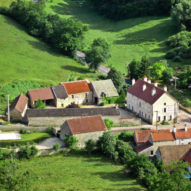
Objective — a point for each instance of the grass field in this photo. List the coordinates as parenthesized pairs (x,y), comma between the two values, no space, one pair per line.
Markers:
(35,137)
(130,39)
(24,57)
(78,172)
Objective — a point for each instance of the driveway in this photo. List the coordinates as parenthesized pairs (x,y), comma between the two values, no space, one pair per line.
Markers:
(49,143)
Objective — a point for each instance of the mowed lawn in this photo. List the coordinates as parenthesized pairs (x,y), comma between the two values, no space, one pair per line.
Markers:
(25,57)
(130,39)
(78,173)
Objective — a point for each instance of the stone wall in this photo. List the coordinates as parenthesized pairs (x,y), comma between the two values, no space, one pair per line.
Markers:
(19,127)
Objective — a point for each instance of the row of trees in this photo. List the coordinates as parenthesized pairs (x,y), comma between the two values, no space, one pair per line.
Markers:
(154,176)
(116,9)
(156,71)
(66,35)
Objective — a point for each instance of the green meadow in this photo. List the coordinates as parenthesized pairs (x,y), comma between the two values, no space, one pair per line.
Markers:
(78,172)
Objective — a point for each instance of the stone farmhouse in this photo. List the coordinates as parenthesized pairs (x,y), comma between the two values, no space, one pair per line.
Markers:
(84,128)
(149,141)
(61,96)
(56,117)
(19,107)
(151,102)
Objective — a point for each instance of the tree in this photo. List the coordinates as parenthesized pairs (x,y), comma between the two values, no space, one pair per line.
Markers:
(40,104)
(12,178)
(70,141)
(181,14)
(109,123)
(117,78)
(98,53)
(106,144)
(167,75)
(90,146)
(172,178)
(157,70)
(26,152)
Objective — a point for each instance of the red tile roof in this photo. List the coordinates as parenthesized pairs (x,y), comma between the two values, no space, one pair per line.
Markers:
(76,87)
(182,134)
(146,95)
(162,136)
(157,135)
(43,94)
(187,157)
(86,124)
(19,103)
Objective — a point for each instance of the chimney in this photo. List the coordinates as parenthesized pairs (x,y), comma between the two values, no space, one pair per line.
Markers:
(156,84)
(144,87)
(149,81)
(185,128)
(165,88)
(133,81)
(145,78)
(153,92)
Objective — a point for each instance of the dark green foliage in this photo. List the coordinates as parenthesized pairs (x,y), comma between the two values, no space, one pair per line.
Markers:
(6,154)
(98,53)
(39,104)
(90,146)
(126,136)
(26,152)
(184,78)
(23,131)
(181,14)
(70,141)
(106,144)
(179,45)
(11,177)
(167,75)
(56,147)
(128,8)
(117,78)
(109,123)
(186,102)
(63,34)
(165,123)
(173,179)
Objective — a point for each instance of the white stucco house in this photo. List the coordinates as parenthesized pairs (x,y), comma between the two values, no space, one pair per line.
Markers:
(151,102)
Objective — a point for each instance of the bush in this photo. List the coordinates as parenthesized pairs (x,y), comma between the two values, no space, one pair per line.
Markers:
(27,152)
(23,131)
(109,123)
(40,104)
(70,141)
(165,123)
(126,136)
(102,104)
(49,130)
(56,147)
(186,102)
(90,146)
(6,154)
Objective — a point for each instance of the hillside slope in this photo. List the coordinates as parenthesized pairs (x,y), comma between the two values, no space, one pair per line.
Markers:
(25,57)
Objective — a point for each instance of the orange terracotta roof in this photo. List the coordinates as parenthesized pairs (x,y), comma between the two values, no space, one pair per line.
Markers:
(76,87)
(163,136)
(43,94)
(19,103)
(86,124)
(183,134)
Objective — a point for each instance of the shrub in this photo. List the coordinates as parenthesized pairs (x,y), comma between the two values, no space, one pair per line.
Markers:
(109,123)
(73,105)
(49,130)
(23,131)
(165,123)
(186,102)
(40,104)
(125,136)
(56,147)
(90,146)
(71,141)
(27,152)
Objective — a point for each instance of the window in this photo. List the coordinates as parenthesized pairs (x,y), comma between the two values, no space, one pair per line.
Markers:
(164,118)
(165,110)
(86,100)
(139,104)
(170,118)
(165,103)
(158,118)
(151,152)
(62,105)
(86,95)
(72,96)
(145,115)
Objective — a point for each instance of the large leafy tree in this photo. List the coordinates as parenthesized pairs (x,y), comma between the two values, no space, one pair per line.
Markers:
(117,78)
(98,53)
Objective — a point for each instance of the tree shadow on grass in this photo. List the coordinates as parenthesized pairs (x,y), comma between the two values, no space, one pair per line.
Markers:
(82,10)
(44,47)
(155,34)
(76,69)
